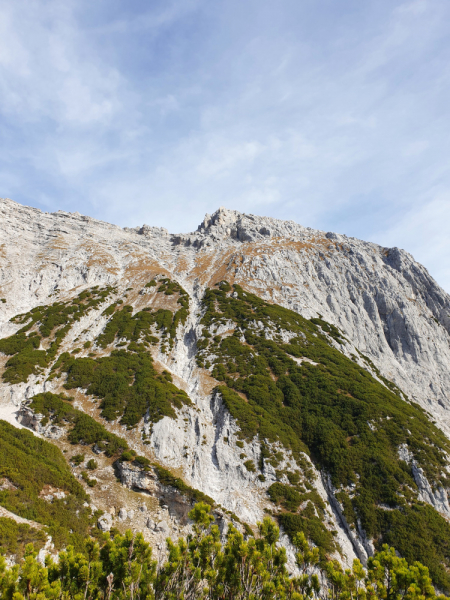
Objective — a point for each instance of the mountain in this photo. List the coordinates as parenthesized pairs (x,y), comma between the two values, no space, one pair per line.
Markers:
(256,364)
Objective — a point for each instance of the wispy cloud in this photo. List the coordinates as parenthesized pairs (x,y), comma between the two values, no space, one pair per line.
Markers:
(335,116)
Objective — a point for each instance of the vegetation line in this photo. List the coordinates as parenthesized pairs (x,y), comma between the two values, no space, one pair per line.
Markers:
(201,567)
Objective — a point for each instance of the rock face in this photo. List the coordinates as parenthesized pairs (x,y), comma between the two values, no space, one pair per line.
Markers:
(135,478)
(28,418)
(387,306)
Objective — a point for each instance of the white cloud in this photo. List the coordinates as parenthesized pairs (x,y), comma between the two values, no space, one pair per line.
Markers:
(46,72)
(221,156)
(420,230)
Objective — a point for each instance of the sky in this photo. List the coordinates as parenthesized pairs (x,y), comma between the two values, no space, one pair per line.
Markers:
(333,114)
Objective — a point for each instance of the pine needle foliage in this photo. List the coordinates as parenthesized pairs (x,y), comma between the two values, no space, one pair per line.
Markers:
(202,567)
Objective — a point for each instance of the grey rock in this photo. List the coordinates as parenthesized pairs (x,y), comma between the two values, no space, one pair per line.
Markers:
(135,477)
(28,418)
(105,522)
(162,528)
(123,515)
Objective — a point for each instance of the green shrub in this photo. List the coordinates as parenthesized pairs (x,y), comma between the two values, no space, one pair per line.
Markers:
(245,565)
(142,461)
(51,322)
(419,531)
(77,459)
(84,429)
(85,477)
(127,384)
(128,455)
(31,463)
(134,328)
(166,478)
(313,529)
(15,536)
(285,495)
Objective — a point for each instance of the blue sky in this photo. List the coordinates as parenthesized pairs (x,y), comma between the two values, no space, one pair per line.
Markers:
(333,114)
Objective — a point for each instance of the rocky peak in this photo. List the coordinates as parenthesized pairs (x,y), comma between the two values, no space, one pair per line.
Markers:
(222,217)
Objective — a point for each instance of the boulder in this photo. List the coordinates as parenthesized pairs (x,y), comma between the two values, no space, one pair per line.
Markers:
(105,522)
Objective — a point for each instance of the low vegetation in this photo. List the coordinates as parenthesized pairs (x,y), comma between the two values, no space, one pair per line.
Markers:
(127,327)
(45,323)
(201,567)
(33,468)
(83,428)
(283,379)
(166,478)
(14,537)
(127,384)
(124,326)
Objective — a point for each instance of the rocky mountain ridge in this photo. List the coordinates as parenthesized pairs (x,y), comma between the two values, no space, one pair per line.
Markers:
(392,320)
(387,304)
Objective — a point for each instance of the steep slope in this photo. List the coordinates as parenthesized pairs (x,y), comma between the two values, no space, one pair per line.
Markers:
(179,345)
(386,303)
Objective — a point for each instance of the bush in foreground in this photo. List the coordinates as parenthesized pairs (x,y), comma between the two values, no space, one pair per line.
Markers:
(201,567)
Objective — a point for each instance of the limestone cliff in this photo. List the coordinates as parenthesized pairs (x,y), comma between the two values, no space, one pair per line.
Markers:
(393,317)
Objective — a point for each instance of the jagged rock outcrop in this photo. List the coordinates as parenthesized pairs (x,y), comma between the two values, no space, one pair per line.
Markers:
(435,496)
(135,477)
(27,418)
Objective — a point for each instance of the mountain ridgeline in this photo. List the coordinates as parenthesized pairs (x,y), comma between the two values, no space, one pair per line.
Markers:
(255,365)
